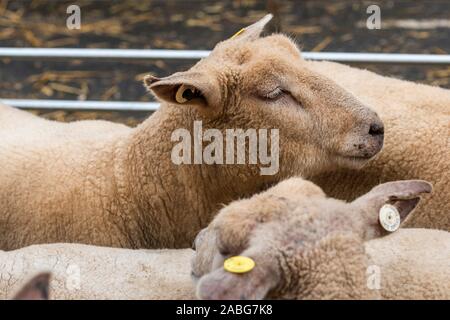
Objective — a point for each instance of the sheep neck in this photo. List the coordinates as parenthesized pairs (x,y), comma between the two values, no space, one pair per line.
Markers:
(171,203)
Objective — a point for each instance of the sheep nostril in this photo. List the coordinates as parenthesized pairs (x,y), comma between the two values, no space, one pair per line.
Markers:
(224,252)
(376,129)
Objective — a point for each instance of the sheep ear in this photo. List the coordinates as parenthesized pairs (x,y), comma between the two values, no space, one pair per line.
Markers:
(252,285)
(186,88)
(36,289)
(252,32)
(222,285)
(403,196)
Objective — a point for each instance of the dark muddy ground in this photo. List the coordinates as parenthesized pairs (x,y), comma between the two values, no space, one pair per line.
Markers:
(316,25)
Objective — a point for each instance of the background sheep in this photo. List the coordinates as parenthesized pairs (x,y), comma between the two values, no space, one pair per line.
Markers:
(307,246)
(417,140)
(107,184)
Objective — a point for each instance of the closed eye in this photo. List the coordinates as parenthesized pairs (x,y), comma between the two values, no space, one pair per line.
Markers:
(274,94)
(278,94)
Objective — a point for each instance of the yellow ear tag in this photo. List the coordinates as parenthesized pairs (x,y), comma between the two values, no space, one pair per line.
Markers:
(238,33)
(239,264)
(179,95)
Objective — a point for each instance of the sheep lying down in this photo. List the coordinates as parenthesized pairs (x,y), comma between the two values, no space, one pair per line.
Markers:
(304,245)
(90,272)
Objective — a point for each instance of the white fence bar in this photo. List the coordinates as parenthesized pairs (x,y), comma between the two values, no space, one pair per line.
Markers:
(141,54)
(119,54)
(81,105)
(391,58)
(138,54)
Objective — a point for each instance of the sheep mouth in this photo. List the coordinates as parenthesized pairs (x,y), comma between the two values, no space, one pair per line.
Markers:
(356,160)
(359,155)
(360,158)
(363,156)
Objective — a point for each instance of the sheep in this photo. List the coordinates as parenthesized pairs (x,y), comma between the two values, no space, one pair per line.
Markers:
(417,140)
(308,246)
(106,184)
(81,271)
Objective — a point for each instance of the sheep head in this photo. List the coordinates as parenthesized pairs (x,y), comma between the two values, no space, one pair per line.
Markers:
(254,82)
(304,244)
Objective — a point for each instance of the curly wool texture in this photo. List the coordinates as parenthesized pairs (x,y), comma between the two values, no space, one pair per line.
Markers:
(414,264)
(417,140)
(308,246)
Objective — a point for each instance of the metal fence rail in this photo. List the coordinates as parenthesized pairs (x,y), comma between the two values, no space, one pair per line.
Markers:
(81,105)
(144,54)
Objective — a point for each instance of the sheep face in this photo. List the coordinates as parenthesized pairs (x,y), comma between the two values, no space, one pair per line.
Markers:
(253,82)
(305,245)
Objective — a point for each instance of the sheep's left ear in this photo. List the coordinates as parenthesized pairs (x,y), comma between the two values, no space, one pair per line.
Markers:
(252,285)
(36,289)
(387,205)
(222,285)
(187,88)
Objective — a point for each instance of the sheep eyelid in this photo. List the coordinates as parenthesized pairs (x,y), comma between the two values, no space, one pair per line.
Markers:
(280,93)
(274,94)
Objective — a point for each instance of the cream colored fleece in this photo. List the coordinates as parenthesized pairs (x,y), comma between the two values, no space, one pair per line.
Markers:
(308,246)
(88,272)
(417,140)
(414,264)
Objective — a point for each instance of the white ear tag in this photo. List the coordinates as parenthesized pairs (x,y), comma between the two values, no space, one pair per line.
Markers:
(389,218)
